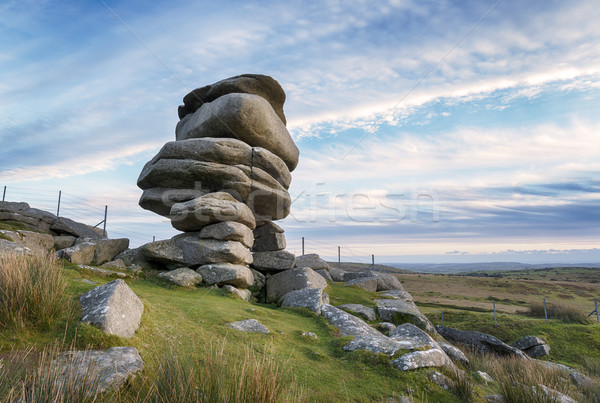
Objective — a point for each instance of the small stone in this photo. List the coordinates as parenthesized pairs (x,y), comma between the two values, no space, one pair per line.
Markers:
(309,334)
(249,325)
(439,379)
(485,376)
(243,294)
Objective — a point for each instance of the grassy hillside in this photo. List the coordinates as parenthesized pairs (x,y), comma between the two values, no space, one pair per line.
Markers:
(186,328)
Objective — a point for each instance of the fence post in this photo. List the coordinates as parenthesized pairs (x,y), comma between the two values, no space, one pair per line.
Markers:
(495,321)
(545,310)
(105,213)
(303,246)
(339,259)
(4,193)
(372,262)
(58,207)
(597,313)
(153,238)
(443,319)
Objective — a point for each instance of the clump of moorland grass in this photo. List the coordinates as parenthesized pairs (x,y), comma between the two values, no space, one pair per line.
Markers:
(564,312)
(519,380)
(213,375)
(32,376)
(32,291)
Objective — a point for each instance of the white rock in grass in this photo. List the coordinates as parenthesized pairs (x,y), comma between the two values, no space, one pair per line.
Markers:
(113,307)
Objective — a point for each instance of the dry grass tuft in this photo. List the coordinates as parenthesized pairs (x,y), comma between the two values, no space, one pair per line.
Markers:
(32,291)
(215,376)
(564,312)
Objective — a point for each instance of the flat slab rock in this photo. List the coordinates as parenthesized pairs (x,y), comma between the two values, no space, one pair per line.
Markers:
(102,272)
(365,337)
(480,342)
(422,359)
(112,368)
(112,307)
(249,325)
(364,311)
(183,277)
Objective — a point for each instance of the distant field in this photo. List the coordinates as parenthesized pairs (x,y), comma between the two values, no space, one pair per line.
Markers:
(512,291)
(364,266)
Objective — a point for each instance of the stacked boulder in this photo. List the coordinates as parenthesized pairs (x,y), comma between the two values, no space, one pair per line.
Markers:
(227,174)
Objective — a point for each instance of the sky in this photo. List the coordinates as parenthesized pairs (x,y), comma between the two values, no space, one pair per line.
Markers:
(429,131)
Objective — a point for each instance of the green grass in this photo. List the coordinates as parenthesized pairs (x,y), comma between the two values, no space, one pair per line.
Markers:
(570,344)
(189,320)
(340,294)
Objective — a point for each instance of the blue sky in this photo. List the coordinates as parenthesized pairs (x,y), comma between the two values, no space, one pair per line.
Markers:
(432,131)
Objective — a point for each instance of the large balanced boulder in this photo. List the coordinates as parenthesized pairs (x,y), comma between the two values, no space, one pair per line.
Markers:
(112,307)
(212,208)
(101,370)
(248,118)
(256,84)
(295,279)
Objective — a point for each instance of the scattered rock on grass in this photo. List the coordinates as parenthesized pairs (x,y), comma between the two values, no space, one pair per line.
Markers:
(113,307)
(249,325)
(243,294)
(111,368)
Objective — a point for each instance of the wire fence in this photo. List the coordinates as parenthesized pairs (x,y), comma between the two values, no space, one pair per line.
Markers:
(78,208)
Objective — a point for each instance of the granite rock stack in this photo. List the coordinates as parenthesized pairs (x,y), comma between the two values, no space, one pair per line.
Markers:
(224,181)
